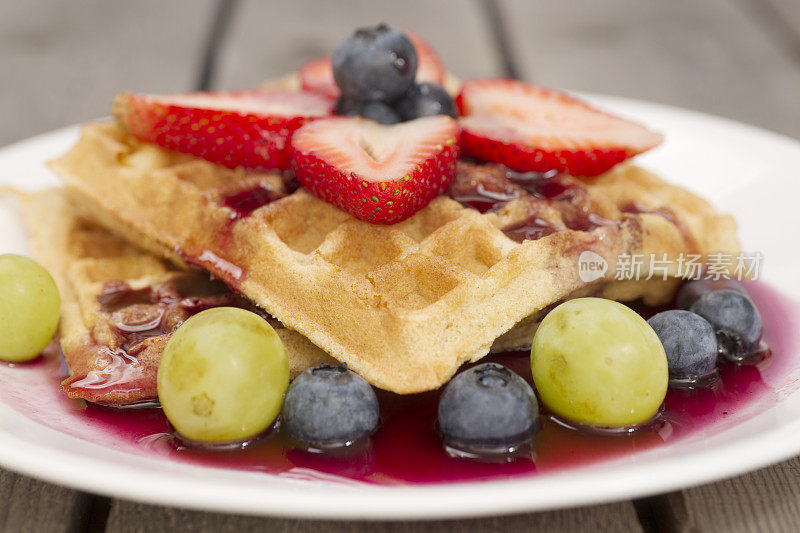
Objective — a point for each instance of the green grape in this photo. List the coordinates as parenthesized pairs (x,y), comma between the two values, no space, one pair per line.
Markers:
(222,376)
(29,308)
(599,363)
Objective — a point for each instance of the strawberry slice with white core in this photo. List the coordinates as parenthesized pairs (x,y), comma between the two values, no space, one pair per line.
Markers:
(380,174)
(248,128)
(529,128)
(317,75)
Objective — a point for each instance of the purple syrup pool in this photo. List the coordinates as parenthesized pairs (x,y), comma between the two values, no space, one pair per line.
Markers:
(406,448)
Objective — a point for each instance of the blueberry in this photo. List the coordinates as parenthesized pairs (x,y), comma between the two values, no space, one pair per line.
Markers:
(379,112)
(377,63)
(735,320)
(425,100)
(486,409)
(689,341)
(693,290)
(373,110)
(350,108)
(330,407)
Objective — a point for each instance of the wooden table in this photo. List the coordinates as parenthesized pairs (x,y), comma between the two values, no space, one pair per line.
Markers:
(63,60)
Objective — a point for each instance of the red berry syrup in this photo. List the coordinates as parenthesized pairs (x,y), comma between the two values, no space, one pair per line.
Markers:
(406,448)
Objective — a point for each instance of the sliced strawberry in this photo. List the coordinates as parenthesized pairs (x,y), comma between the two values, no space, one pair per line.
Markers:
(317,75)
(529,128)
(381,174)
(429,66)
(248,128)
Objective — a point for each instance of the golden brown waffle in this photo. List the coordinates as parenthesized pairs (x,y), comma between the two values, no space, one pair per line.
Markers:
(96,272)
(403,305)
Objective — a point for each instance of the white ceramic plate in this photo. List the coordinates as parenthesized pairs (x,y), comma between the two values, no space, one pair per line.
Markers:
(743,170)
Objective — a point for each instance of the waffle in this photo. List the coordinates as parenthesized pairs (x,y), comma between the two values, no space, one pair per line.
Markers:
(96,273)
(403,305)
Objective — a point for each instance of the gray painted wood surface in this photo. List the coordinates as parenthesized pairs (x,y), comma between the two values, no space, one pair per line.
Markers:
(62,61)
(131,517)
(264,45)
(714,56)
(30,505)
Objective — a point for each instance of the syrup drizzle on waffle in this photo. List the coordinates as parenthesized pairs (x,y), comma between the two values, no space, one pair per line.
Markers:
(551,201)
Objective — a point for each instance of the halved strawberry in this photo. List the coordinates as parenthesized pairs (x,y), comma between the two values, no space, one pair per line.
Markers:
(317,75)
(248,128)
(381,174)
(529,128)
(429,66)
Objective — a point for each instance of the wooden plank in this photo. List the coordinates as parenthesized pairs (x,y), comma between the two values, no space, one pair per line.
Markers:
(766,500)
(788,12)
(30,505)
(781,21)
(131,517)
(271,38)
(63,60)
(703,55)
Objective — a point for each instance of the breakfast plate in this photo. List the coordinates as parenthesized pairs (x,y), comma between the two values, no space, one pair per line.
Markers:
(740,169)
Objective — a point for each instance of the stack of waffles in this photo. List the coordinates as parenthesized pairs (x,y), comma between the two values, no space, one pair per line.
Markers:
(402,305)
(140,237)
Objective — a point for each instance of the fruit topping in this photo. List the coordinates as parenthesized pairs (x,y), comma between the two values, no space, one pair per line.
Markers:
(426,100)
(249,128)
(596,362)
(380,174)
(429,65)
(376,63)
(29,308)
(376,110)
(222,376)
(376,69)
(488,409)
(317,75)
(735,319)
(689,342)
(330,407)
(691,291)
(529,128)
